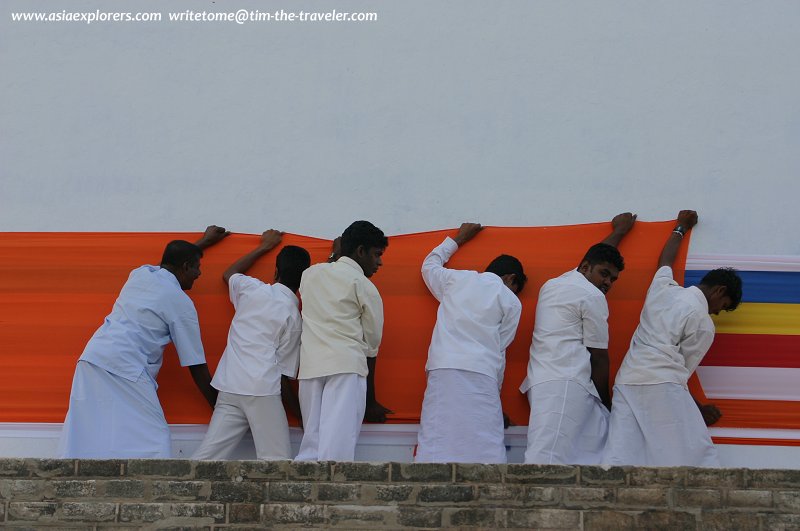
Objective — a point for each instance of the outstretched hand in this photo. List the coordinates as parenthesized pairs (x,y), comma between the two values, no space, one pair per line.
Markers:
(711,413)
(375,412)
(212,235)
(270,238)
(623,223)
(466,232)
(687,219)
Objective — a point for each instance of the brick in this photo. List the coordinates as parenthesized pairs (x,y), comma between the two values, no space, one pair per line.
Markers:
(122,488)
(13,468)
(427,472)
(506,493)
(225,491)
(715,477)
(542,474)
(292,513)
(537,496)
(244,513)
(471,473)
(262,469)
(289,492)
(2,511)
(388,493)
(214,470)
(446,493)
(706,498)
(666,519)
(141,512)
(587,496)
(636,496)
(595,475)
(181,490)
(610,520)
(74,488)
(309,470)
(214,511)
(419,516)
(543,518)
(89,511)
(788,500)
(358,515)
(31,511)
(101,467)
(779,522)
(768,479)
(649,477)
(364,472)
(51,468)
(338,493)
(731,521)
(22,489)
(749,498)
(172,468)
(474,517)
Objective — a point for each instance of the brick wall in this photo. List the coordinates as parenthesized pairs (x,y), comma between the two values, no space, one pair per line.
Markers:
(136,494)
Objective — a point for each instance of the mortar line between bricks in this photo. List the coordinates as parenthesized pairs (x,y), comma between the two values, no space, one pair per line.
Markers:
(452,472)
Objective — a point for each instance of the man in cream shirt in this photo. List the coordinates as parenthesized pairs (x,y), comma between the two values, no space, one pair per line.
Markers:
(655,421)
(342,330)
(462,417)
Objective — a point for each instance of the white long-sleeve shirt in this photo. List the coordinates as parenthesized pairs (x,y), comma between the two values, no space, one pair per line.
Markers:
(477,317)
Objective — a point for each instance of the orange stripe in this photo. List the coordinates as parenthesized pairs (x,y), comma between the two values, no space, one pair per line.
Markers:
(758,414)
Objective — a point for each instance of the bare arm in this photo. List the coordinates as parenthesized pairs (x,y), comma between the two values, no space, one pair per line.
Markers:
(375,412)
(620,226)
(289,397)
(711,413)
(466,232)
(202,379)
(686,220)
(211,236)
(598,358)
(269,239)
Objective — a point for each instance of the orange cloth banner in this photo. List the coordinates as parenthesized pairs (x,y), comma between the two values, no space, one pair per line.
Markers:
(56,288)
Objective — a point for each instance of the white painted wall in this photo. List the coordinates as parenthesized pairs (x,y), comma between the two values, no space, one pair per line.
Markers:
(509,113)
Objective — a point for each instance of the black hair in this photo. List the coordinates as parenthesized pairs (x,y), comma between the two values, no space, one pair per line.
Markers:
(506,265)
(362,233)
(725,276)
(179,252)
(290,264)
(602,252)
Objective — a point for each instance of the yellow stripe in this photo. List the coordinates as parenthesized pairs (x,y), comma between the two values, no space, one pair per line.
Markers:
(760,318)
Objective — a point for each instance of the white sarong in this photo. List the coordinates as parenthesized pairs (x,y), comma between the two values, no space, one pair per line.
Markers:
(657,425)
(462,419)
(568,425)
(110,417)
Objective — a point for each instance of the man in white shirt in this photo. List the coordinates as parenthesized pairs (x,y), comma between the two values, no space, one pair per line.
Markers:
(114,410)
(342,329)
(262,353)
(462,417)
(655,421)
(567,382)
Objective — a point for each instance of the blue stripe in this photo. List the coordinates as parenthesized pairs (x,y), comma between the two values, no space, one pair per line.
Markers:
(761,286)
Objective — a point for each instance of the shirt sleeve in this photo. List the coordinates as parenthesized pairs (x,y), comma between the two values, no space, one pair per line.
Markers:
(239,284)
(184,329)
(595,322)
(508,329)
(695,344)
(435,275)
(371,315)
(287,353)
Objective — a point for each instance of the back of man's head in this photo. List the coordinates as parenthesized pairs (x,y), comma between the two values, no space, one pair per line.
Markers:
(600,253)
(727,277)
(179,252)
(362,233)
(290,264)
(508,265)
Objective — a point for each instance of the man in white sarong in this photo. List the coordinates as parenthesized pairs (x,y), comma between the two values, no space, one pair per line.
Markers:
(342,329)
(114,410)
(462,417)
(567,382)
(262,353)
(655,421)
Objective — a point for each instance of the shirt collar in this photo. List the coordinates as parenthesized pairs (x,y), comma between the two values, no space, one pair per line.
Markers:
(166,274)
(350,262)
(700,296)
(287,292)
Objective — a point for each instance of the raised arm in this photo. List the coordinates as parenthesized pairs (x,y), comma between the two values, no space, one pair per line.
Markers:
(434,273)
(211,236)
(686,220)
(620,226)
(269,239)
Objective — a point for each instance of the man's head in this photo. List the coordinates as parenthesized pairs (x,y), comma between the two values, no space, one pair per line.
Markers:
(602,265)
(290,264)
(364,242)
(510,270)
(723,290)
(183,260)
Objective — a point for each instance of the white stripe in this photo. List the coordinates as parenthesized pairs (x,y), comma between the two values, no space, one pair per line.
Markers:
(744,262)
(750,383)
(749,433)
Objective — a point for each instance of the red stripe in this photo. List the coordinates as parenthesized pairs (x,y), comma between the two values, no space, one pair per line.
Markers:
(754,350)
(750,441)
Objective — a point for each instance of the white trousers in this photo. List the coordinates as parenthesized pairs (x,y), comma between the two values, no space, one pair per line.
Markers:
(110,417)
(234,415)
(568,425)
(462,419)
(657,425)
(333,410)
